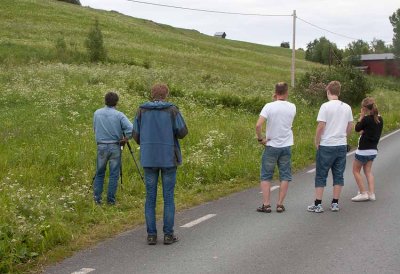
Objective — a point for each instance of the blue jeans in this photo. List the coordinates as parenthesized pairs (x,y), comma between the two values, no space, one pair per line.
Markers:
(273,156)
(330,157)
(107,153)
(168,178)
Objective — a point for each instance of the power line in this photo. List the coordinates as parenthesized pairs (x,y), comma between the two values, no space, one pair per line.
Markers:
(243,14)
(311,24)
(209,11)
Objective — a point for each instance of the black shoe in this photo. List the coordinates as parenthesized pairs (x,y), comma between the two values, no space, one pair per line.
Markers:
(152,239)
(264,208)
(170,239)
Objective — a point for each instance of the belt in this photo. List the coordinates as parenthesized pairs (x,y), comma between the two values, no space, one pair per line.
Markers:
(103,143)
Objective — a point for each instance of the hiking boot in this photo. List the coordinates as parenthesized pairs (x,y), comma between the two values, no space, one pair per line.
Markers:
(152,239)
(170,239)
(315,208)
(334,207)
(360,197)
(280,208)
(264,208)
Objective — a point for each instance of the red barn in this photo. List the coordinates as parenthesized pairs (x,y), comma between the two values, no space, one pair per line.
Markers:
(381,64)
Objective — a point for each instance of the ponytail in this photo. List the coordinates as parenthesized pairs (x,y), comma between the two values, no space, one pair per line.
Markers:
(369,103)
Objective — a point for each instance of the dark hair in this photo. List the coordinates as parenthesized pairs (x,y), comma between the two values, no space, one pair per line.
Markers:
(159,92)
(281,88)
(111,99)
(369,103)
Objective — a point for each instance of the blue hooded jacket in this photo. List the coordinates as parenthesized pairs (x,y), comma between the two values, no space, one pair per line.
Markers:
(156,128)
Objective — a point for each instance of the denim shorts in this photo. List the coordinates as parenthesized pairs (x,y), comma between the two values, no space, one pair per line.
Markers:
(330,158)
(273,156)
(364,159)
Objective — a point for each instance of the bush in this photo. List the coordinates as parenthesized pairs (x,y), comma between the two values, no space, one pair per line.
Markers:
(76,2)
(311,86)
(94,44)
(61,48)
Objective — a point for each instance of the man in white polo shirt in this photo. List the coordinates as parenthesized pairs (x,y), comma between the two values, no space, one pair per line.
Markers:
(335,123)
(278,140)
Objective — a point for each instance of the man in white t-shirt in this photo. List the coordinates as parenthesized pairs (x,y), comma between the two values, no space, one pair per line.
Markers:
(335,123)
(278,140)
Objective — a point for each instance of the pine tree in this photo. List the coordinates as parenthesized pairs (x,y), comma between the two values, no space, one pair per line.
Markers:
(395,21)
(94,44)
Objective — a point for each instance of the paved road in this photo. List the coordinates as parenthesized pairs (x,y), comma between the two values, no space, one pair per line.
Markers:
(361,238)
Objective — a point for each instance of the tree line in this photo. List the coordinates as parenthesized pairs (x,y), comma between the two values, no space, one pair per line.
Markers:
(326,52)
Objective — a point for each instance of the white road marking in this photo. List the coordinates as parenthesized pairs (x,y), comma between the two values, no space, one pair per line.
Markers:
(311,170)
(84,271)
(199,220)
(390,134)
(272,188)
(354,151)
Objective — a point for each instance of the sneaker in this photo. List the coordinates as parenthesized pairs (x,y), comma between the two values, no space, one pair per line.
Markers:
(170,239)
(316,209)
(152,239)
(372,197)
(264,208)
(360,197)
(280,208)
(335,207)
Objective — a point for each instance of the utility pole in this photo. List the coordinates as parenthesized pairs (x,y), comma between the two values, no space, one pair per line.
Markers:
(293,48)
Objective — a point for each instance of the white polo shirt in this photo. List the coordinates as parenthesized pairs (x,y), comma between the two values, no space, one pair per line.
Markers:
(279,115)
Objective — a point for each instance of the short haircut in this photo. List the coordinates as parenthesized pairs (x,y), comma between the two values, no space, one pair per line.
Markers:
(281,88)
(111,99)
(159,92)
(334,88)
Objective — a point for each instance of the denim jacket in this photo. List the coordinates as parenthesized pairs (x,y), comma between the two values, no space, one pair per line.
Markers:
(110,124)
(157,127)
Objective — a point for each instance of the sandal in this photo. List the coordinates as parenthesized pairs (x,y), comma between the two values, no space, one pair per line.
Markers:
(264,208)
(280,208)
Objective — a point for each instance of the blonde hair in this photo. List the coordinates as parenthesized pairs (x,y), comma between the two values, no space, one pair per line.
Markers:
(334,88)
(370,105)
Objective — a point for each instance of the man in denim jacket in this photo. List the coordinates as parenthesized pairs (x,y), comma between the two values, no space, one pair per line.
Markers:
(156,128)
(109,126)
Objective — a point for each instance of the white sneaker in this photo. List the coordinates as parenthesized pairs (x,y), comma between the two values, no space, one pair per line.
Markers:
(335,207)
(372,197)
(360,197)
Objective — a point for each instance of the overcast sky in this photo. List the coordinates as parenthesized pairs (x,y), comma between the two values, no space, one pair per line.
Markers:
(358,19)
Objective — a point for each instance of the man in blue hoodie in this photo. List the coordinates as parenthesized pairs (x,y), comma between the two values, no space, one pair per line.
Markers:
(156,128)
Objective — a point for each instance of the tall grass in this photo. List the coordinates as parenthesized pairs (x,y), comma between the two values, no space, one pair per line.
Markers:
(47,152)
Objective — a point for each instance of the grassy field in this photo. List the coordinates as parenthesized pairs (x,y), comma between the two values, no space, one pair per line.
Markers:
(47,148)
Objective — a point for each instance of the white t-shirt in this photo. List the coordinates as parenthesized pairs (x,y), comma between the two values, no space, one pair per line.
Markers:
(279,115)
(337,115)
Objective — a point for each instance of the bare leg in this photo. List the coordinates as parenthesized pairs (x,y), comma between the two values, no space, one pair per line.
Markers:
(319,191)
(370,177)
(282,192)
(357,175)
(266,190)
(337,189)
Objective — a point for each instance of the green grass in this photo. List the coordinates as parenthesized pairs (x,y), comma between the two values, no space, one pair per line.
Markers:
(47,152)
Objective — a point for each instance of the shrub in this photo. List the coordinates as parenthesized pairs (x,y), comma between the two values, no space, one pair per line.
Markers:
(76,2)
(61,48)
(94,44)
(311,86)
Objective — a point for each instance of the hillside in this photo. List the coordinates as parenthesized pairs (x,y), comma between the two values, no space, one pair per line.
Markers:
(47,152)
